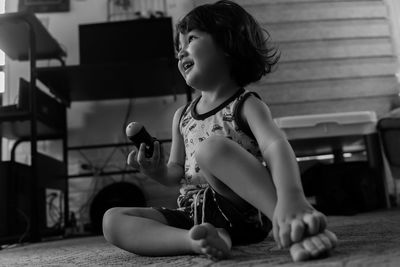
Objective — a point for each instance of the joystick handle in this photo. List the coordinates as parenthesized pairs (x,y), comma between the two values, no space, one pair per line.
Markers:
(137,134)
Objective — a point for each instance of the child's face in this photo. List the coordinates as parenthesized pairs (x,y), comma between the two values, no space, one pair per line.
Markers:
(201,62)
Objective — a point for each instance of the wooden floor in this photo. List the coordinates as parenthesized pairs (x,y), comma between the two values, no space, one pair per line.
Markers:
(368,239)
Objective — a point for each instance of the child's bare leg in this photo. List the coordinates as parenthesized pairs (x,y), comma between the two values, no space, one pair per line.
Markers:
(237,175)
(313,246)
(144,231)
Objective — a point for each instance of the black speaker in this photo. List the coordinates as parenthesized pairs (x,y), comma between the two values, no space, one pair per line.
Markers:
(41,6)
(343,188)
(120,194)
(389,129)
(12,223)
(16,206)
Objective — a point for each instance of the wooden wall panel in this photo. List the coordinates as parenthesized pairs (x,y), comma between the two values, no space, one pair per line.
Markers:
(292,92)
(378,104)
(336,55)
(311,11)
(335,49)
(248,3)
(263,2)
(328,69)
(325,30)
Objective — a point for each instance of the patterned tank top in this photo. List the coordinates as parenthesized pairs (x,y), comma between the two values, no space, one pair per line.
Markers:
(224,120)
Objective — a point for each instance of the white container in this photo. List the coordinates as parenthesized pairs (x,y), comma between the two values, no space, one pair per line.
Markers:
(328,125)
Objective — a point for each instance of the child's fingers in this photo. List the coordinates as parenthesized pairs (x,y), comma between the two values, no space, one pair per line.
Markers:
(313,223)
(131,158)
(141,154)
(323,222)
(284,235)
(162,155)
(156,152)
(297,230)
(275,232)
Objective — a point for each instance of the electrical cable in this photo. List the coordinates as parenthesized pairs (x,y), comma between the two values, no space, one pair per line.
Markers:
(54,211)
(108,159)
(27,228)
(23,235)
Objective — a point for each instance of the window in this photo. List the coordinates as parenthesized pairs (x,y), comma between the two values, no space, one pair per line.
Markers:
(2,57)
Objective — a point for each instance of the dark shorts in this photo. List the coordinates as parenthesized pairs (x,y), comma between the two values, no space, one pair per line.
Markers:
(244,225)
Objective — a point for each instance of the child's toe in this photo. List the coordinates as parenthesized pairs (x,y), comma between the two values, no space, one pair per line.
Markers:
(332,237)
(326,241)
(320,246)
(309,246)
(299,253)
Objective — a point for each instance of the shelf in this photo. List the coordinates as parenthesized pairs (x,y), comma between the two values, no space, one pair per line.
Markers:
(147,78)
(23,37)
(14,37)
(100,146)
(92,174)
(107,173)
(16,119)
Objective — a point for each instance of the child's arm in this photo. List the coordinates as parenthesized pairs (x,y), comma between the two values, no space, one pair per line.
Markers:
(293,214)
(155,167)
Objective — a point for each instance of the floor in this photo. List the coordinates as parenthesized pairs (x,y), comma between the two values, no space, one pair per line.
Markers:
(367,239)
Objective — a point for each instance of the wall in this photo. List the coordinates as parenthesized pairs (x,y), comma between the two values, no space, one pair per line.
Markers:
(393,7)
(83,116)
(98,122)
(336,55)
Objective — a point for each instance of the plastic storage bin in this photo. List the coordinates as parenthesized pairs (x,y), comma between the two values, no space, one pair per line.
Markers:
(328,125)
(336,133)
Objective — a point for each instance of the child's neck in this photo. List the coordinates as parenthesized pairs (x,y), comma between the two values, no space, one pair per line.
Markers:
(211,99)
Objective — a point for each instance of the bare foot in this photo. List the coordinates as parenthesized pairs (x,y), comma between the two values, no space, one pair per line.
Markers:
(313,246)
(208,240)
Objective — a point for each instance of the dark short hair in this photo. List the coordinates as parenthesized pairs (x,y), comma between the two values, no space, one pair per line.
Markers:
(238,34)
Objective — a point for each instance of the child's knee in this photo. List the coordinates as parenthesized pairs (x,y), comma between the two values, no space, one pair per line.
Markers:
(110,221)
(211,149)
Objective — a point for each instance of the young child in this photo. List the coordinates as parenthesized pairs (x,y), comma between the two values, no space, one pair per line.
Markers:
(238,174)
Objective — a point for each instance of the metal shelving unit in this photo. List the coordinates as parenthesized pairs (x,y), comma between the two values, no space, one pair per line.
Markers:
(24,38)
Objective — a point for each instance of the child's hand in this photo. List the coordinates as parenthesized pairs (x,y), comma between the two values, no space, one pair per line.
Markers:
(294,218)
(147,165)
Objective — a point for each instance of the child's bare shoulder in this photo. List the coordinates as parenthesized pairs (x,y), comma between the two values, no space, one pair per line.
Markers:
(255,105)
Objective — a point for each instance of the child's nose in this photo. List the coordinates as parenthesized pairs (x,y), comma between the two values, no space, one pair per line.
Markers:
(182,53)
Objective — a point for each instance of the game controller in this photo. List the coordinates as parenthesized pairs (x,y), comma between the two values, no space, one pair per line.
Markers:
(137,134)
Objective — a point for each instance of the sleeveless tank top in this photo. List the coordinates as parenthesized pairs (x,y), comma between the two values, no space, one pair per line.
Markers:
(225,121)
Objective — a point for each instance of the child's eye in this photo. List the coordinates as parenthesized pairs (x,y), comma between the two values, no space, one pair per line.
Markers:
(191,38)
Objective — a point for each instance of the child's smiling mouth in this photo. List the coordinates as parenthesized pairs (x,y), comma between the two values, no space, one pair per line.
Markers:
(187,66)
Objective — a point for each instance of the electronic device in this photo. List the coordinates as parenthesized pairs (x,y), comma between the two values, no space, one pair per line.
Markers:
(138,134)
(16,194)
(126,41)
